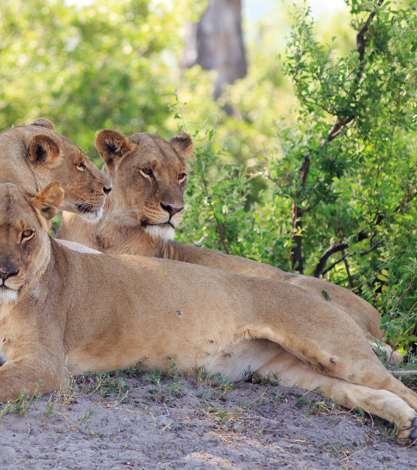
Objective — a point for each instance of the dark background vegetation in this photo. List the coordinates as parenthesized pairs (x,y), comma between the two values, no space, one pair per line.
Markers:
(305,131)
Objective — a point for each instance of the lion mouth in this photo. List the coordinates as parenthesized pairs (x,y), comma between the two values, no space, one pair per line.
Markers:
(89,212)
(3,286)
(145,223)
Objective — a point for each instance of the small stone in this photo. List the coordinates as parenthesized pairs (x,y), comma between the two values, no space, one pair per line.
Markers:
(237,427)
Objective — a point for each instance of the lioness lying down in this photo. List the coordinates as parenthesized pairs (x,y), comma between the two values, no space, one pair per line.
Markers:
(149,178)
(35,155)
(67,311)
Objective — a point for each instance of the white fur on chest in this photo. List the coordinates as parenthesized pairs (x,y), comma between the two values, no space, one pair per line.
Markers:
(163,232)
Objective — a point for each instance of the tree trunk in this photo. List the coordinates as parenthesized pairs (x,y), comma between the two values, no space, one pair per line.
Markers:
(216,43)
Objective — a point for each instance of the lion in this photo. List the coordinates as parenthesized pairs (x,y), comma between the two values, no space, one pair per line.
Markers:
(34,155)
(149,177)
(67,312)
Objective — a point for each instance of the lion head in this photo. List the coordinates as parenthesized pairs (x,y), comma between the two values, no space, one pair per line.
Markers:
(149,177)
(24,251)
(35,155)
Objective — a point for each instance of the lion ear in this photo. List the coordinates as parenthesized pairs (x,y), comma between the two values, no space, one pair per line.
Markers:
(111,146)
(183,144)
(43,150)
(43,122)
(48,200)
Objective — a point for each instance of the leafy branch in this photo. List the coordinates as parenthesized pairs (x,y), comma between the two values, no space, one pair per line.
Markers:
(321,270)
(340,125)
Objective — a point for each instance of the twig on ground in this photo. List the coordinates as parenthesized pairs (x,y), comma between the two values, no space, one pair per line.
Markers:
(404,372)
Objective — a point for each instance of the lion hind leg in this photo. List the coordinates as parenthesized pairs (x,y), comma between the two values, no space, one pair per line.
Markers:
(383,403)
(352,360)
(363,313)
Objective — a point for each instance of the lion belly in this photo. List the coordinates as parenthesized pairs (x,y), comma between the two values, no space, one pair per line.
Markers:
(235,361)
(240,360)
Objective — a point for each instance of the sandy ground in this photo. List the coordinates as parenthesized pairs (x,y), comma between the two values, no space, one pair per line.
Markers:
(145,421)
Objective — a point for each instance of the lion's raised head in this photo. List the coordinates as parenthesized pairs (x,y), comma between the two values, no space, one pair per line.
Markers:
(35,155)
(149,177)
(24,249)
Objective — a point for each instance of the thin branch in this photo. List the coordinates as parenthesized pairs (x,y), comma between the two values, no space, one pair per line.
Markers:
(347,267)
(340,260)
(344,257)
(338,127)
(329,252)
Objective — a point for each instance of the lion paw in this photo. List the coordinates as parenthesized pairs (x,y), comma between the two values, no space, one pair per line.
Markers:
(408,434)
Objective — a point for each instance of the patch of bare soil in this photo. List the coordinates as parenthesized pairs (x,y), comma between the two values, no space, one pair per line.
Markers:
(147,421)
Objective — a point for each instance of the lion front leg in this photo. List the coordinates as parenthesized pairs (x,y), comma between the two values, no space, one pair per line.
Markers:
(383,403)
(30,375)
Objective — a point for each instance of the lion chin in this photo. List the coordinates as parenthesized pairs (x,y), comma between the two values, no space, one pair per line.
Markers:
(7,296)
(165,232)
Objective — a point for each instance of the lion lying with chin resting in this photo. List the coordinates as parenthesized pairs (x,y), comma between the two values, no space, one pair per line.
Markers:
(149,177)
(61,310)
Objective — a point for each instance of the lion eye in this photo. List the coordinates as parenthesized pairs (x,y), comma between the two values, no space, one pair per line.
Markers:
(81,166)
(182,177)
(27,235)
(147,172)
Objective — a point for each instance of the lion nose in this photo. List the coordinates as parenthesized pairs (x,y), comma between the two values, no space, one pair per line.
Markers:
(171,209)
(107,189)
(8,271)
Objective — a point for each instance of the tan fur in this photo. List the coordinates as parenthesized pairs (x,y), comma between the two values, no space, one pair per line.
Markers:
(95,312)
(34,155)
(136,200)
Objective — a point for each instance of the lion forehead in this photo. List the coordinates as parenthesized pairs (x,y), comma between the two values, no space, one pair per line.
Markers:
(153,149)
